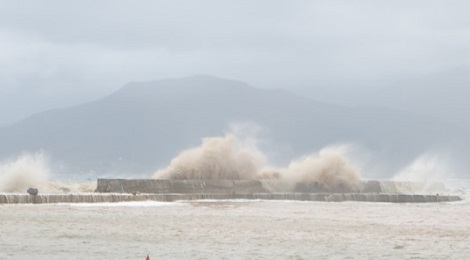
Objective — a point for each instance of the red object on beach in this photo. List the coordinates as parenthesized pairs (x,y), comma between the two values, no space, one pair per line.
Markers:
(147,258)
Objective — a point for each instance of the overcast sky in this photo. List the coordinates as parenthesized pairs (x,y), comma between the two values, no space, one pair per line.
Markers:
(57,53)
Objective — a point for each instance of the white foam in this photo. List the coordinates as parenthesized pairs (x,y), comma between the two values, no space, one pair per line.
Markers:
(148,203)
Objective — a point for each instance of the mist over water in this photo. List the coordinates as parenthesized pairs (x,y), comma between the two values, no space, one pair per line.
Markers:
(229,158)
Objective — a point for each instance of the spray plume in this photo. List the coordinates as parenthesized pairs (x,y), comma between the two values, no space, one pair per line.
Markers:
(427,167)
(217,158)
(328,169)
(32,170)
(24,172)
(428,170)
(229,158)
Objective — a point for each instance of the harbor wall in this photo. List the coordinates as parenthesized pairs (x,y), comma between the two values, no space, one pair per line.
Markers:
(254,186)
(168,197)
(122,190)
(178,186)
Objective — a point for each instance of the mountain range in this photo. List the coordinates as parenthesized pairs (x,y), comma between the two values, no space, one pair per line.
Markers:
(139,128)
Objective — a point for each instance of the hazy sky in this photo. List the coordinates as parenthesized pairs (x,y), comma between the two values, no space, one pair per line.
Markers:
(56,53)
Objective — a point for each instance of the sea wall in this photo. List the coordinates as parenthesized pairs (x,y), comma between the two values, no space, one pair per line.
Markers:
(254,186)
(120,190)
(168,197)
(178,186)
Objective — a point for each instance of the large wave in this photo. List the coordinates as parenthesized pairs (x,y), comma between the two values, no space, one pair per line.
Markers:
(229,158)
(217,158)
(33,171)
(26,171)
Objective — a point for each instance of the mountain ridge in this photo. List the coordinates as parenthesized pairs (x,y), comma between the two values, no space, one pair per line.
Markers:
(140,127)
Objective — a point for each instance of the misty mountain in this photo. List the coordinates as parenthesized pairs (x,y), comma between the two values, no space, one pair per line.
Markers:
(139,128)
(442,96)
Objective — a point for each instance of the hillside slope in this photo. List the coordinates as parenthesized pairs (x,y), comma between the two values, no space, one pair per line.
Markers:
(143,125)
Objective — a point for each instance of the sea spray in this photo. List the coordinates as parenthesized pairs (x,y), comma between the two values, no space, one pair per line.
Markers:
(427,167)
(328,169)
(67,186)
(228,158)
(33,170)
(27,170)
(217,158)
(427,172)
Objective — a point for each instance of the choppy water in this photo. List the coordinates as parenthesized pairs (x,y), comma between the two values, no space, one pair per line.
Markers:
(236,230)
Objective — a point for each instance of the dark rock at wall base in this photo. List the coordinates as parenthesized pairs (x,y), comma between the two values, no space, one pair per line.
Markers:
(32,191)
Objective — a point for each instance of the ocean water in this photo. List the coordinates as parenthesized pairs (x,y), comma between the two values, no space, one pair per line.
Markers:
(236,229)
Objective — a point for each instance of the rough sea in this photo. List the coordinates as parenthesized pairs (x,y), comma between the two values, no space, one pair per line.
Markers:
(237,229)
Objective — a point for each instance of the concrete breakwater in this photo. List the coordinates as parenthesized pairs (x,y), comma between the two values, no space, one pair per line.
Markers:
(122,190)
(255,186)
(168,197)
(180,186)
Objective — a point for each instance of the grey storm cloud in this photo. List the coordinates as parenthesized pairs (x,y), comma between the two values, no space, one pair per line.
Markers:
(57,53)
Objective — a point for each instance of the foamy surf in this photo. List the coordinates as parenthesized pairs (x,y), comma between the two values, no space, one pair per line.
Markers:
(134,204)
